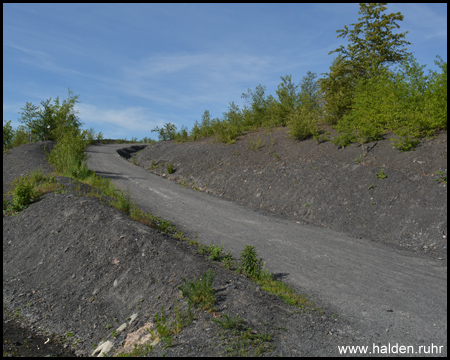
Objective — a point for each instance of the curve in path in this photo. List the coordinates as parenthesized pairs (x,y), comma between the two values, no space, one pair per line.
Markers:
(389,296)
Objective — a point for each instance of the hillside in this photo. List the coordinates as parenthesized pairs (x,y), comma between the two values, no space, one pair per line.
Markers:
(386,196)
(75,270)
(78,268)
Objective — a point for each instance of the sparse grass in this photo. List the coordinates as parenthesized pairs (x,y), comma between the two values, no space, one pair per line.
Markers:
(255,146)
(228,323)
(228,260)
(123,202)
(153,166)
(247,342)
(170,168)
(140,350)
(165,330)
(200,292)
(253,268)
(162,328)
(442,176)
(26,190)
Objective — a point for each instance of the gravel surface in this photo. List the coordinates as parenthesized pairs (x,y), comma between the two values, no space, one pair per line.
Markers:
(321,184)
(75,269)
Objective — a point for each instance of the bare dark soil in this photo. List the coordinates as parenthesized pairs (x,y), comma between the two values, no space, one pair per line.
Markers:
(75,269)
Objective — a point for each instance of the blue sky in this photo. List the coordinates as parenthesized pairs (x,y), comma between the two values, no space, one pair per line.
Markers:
(138,66)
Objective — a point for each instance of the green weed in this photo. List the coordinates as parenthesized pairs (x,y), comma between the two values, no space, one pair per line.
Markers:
(170,168)
(153,166)
(228,323)
(200,292)
(381,174)
(442,176)
(162,329)
(255,146)
(227,260)
(182,319)
(215,251)
(26,190)
(250,265)
(202,249)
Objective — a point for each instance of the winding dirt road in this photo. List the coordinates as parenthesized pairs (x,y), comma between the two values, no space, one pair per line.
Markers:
(390,297)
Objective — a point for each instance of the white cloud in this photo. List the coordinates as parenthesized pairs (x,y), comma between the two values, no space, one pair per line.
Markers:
(122,122)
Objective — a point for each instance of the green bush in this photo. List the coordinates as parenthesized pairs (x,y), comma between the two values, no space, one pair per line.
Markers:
(250,265)
(23,194)
(405,102)
(68,155)
(303,124)
(215,251)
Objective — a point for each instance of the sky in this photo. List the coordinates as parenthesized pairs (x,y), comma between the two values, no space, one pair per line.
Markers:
(139,66)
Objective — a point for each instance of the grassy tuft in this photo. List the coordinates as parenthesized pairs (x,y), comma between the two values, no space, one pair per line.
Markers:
(200,292)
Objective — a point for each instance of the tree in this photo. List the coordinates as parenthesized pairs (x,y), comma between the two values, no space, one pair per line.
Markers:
(30,119)
(50,121)
(303,121)
(8,135)
(337,90)
(255,114)
(64,116)
(309,91)
(287,93)
(167,132)
(379,46)
(372,46)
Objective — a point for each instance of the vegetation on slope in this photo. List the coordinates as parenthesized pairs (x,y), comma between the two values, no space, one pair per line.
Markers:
(374,87)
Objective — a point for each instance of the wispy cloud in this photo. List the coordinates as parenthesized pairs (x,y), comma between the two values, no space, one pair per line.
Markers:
(117,122)
(424,21)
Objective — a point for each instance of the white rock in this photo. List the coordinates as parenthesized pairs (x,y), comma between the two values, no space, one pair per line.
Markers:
(103,348)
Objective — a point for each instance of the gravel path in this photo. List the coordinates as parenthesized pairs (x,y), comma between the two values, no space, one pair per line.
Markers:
(76,268)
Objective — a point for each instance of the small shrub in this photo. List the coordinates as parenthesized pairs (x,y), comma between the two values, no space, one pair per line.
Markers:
(255,146)
(200,292)
(250,265)
(68,155)
(405,141)
(227,260)
(170,168)
(123,202)
(153,166)
(23,194)
(214,251)
(303,124)
(202,249)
